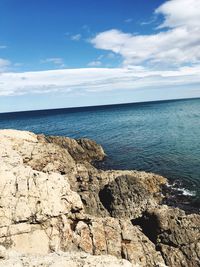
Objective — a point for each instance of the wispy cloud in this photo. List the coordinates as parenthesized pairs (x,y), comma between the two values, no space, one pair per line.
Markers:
(148,22)
(111,55)
(178,45)
(4,64)
(76,37)
(55,60)
(86,28)
(18,64)
(95,63)
(129,20)
(3,46)
(92,80)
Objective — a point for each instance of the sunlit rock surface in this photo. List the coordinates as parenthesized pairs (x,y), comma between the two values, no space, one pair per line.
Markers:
(53,199)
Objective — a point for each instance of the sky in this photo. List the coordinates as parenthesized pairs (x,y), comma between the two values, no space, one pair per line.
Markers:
(70,53)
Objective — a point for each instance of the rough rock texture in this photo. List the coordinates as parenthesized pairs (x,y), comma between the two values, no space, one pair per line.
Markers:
(80,149)
(53,199)
(124,197)
(176,235)
(63,259)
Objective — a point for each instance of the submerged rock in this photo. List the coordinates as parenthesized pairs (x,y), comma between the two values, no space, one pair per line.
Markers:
(53,199)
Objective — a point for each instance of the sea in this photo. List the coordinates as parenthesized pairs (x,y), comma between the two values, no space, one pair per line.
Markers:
(161,137)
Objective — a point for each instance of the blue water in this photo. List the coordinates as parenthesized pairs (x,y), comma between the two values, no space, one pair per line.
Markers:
(161,137)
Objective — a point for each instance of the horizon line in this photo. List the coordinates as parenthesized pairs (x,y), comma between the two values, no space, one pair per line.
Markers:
(99,106)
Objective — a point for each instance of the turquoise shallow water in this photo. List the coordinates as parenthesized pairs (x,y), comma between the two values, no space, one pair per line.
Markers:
(161,137)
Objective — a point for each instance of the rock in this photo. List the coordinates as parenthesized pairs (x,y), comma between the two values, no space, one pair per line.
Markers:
(175,234)
(32,196)
(73,158)
(178,236)
(116,237)
(124,197)
(82,149)
(3,253)
(53,199)
(94,187)
(64,260)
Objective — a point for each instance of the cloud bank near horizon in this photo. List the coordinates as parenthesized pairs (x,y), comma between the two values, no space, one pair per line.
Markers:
(91,80)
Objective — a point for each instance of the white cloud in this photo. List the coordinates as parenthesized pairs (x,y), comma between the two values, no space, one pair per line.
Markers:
(180,13)
(76,37)
(176,46)
(4,64)
(95,80)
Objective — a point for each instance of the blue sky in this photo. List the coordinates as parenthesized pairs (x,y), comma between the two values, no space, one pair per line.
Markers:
(75,53)
(42,29)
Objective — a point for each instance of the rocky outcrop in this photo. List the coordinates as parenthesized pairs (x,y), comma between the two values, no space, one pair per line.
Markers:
(124,196)
(53,199)
(82,149)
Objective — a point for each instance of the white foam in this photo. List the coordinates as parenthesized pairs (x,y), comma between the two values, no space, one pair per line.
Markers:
(187,192)
(184,191)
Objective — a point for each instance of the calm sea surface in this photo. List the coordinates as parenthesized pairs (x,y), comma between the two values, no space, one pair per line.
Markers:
(161,137)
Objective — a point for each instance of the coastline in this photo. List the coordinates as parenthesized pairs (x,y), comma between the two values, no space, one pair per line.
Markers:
(173,151)
(175,193)
(51,191)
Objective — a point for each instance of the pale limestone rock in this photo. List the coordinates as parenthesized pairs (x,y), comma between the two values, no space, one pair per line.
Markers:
(83,238)
(3,253)
(19,135)
(64,260)
(99,238)
(34,242)
(28,195)
(29,198)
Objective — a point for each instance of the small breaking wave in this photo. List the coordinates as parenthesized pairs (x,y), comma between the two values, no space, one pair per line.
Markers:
(187,192)
(177,186)
(178,195)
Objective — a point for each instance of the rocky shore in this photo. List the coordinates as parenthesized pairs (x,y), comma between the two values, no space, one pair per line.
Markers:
(57,209)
